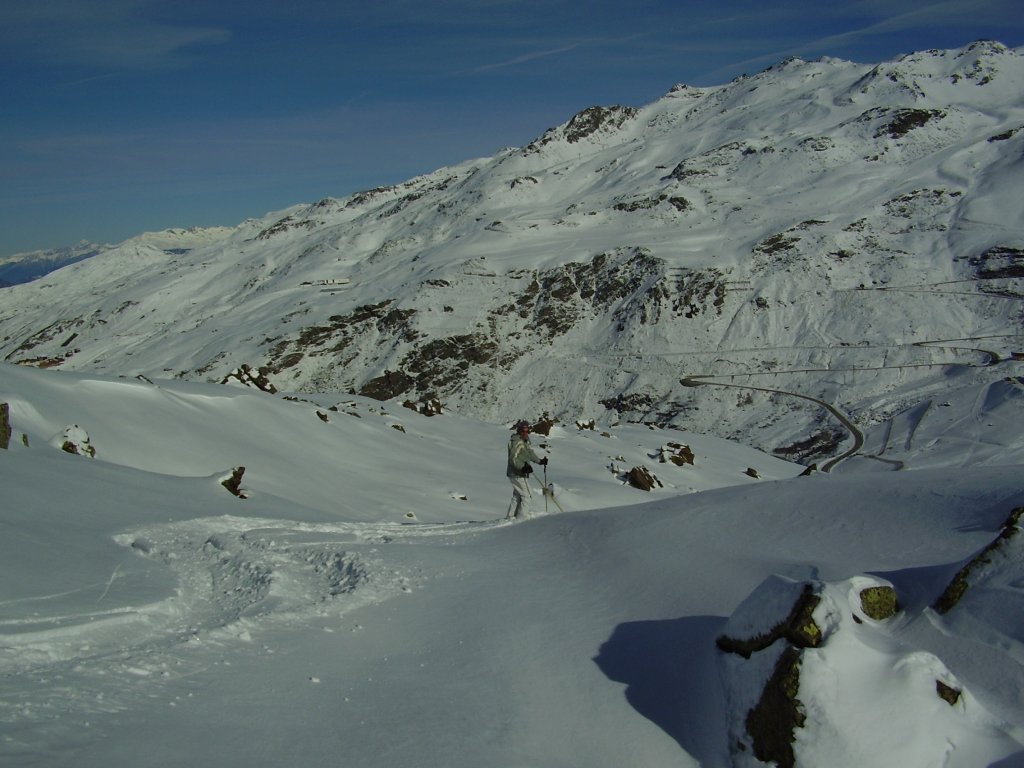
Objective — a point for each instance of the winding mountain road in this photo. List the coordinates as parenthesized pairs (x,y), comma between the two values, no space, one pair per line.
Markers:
(858,436)
(992,359)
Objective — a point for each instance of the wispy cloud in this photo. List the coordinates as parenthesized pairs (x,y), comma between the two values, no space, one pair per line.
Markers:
(557,50)
(103,34)
(865,22)
(532,56)
(899,15)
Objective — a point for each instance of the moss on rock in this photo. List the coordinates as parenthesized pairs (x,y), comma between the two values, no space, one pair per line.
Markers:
(879,603)
(798,628)
(778,713)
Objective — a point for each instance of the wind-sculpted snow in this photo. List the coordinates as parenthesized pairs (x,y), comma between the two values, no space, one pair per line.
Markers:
(364,597)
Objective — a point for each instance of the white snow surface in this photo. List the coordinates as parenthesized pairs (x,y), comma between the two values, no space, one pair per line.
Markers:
(840,232)
(367,604)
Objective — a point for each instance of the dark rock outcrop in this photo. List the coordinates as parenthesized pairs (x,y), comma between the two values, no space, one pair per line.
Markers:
(75,440)
(5,425)
(234,482)
(879,603)
(251,377)
(975,568)
(642,478)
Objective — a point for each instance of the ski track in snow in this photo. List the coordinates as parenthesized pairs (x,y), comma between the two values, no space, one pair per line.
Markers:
(234,575)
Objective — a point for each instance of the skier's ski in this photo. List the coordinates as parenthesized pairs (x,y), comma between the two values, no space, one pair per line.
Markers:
(549,492)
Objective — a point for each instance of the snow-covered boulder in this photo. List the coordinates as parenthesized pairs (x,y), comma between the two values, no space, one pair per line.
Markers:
(815,675)
(75,440)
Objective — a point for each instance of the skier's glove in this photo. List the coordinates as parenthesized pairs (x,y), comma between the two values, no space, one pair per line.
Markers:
(543,462)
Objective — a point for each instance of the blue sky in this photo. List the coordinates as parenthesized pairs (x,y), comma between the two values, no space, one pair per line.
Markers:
(124,116)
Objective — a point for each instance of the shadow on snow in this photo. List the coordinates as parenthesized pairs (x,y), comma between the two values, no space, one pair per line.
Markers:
(670,669)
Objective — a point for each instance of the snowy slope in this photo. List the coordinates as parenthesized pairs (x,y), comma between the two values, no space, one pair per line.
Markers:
(367,603)
(837,231)
(25,267)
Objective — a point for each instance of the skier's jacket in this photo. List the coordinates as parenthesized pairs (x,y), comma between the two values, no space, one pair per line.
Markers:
(520,453)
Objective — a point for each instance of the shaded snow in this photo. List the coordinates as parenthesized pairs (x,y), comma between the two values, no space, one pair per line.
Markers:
(367,600)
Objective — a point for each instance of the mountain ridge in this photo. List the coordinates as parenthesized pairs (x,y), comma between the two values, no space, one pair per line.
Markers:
(838,230)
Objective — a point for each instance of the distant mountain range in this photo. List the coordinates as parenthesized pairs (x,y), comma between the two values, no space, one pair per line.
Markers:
(26,267)
(839,232)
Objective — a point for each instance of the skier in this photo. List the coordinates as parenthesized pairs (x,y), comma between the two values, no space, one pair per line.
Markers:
(520,454)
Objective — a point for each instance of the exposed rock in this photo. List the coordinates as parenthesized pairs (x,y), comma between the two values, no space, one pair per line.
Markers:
(251,377)
(797,628)
(751,472)
(1005,135)
(677,453)
(768,725)
(778,713)
(543,425)
(795,651)
(234,482)
(947,693)
(897,122)
(593,119)
(427,406)
(283,225)
(76,440)
(681,204)
(590,121)
(975,569)
(774,244)
(821,444)
(999,262)
(443,362)
(388,385)
(635,402)
(879,603)
(903,121)
(5,425)
(642,478)
(47,336)
(370,321)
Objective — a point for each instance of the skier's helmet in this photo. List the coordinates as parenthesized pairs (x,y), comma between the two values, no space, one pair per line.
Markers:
(522,424)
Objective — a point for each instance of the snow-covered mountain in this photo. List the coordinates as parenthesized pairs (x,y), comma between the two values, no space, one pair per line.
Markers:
(843,232)
(823,260)
(25,267)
